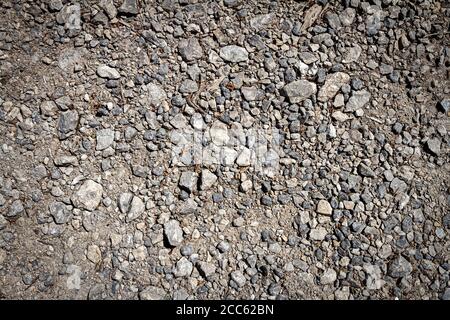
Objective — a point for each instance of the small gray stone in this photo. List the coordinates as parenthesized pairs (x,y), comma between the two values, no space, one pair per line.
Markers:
(238,277)
(183,268)
(206,269)
(300,90)
(88,195)
(188,86)
(374,22)
(190,49)
(105,138)
(179,121)
(318,234)
(55,5)
(60,213)
(156,94)
(48,108)
(434,146)
(173,233)
(358,100)
(3,224)
(109,7)
(208,179)
(137,207)
(107,72)
(446,295)
(223,246)
(398,186)
(233,53)
(365,171)
(124,202)
(15,209)
(400,268)
(70,17)
(73,281)
(129,7)
(328,277)
(67,124)
(332,85)
(187,207)
(324,207)
(188,181)
(249,93)
(65,161)
(94,254)
(244,158)
(262,20)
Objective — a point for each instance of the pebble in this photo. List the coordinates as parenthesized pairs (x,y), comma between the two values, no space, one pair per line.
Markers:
(104,71)
(233,53)
(300,90)
(88,195)
(173,233)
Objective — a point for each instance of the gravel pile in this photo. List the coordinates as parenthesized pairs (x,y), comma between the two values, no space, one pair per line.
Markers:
(189,149)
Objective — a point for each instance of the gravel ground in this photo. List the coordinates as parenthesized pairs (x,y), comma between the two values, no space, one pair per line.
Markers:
(189,149)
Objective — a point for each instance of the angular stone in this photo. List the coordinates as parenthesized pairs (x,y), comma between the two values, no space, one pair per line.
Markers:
(129,7)
(324,207)
(48,108)
(249,93)
(244,158)
(109,7)
(94,254)
(246,185)
(190,49)
(156,95)
(208,179)
(365,171)
(328,277)
(73,281)
(238,277)
(333,83)
(219,133)
(125,201)
(173,233)
(262,20)
(105,138)
(358,100)
(300,90)
(59,212)
(233,53)
(318,234)
(188,181)
(340,116)
(189,206)
(352,54)
(188,86)
(64,161)
(179,121)
(67,124)
(70,17)
(88,195)
(15,209)
(400,267)
(183,268)
(206,269)
(137,207)
(434,146)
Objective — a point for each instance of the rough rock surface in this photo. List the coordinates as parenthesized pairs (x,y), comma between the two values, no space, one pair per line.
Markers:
(180,149)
